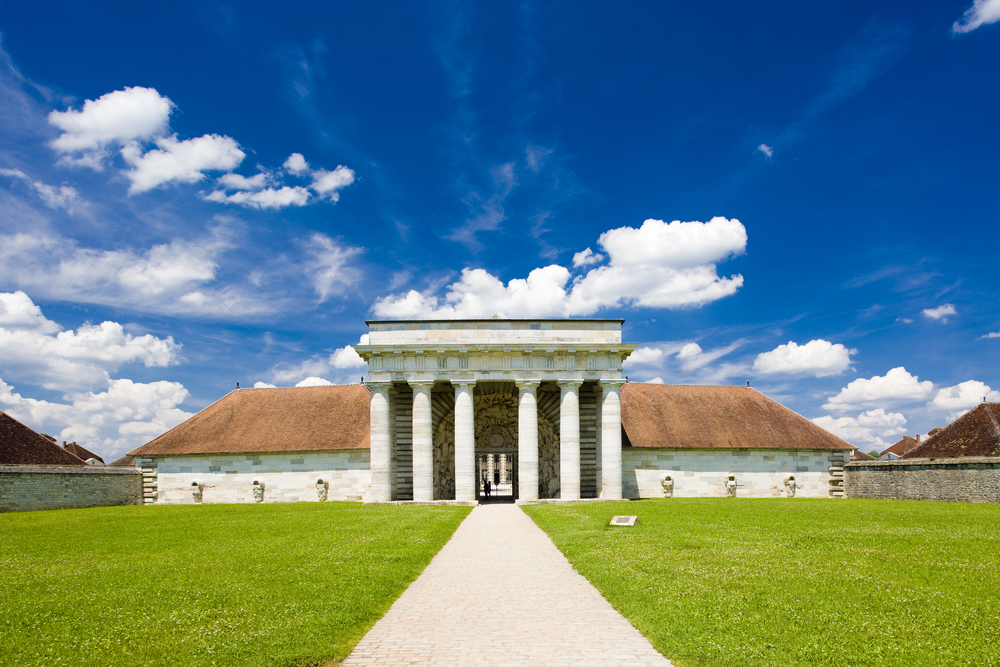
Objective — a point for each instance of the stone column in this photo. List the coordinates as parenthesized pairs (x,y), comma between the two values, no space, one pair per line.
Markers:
(527,440)
(380,443)
(611,440)
(465,441)
(393,478)
(569,439)
(423,444)
(598,463)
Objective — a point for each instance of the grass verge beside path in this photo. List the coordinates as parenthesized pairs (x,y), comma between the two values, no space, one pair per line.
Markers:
(275,584)
(795,582)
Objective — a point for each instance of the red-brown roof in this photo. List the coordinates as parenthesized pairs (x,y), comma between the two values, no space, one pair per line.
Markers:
(715,417)
(20,445)
(127,461)
(901,447)
(81,453)
(297,419)
(858,455)
(976,433)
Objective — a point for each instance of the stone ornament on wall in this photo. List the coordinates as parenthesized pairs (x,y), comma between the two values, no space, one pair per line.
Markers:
(322,489)
(197,490)
(731,485)
(496,429)
(790,486)
(667,482)
(258,491)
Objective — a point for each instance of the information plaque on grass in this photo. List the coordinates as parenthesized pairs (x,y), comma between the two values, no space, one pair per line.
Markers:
(624,520)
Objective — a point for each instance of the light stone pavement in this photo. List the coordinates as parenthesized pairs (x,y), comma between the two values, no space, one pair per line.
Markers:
(500,593)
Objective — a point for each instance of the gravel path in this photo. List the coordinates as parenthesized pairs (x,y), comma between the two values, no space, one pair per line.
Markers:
(500,593)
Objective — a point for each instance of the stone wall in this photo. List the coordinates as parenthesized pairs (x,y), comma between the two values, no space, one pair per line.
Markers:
(25,488)
(967,479)
(759,473)
(279,477)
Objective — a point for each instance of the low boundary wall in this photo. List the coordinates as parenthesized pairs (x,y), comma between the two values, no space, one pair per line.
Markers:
(25,488)
(972,479)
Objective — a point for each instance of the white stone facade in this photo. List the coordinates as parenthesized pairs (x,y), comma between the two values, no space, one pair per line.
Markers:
(280,477)
(759,473)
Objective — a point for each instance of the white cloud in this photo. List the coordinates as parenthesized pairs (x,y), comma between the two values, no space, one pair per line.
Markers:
(939,313)
(693,357)
(817,357)
(992,334)
(314,382)
(128,414)
(268,198)
(659,265)
(644,356)
(327,183)
(328,267)
(766,150)
(656,380)
(296,164)
(238,182)
(36,350)
(868,428)
(586,258)
(980,13)
(63,196)
(962,397)
(689,351)
(264,385)
(342,365)
(896,387)
(346,357)
(119,117)
(183,161)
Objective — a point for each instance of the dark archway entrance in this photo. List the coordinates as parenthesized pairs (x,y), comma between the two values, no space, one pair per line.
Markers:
(497,475)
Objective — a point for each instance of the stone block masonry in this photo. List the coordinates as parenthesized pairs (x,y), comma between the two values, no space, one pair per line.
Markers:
(28,488)
(280,477)
(972,479)
(759,473)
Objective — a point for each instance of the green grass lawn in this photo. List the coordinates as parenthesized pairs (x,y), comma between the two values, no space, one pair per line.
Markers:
(276,584)
(733,582)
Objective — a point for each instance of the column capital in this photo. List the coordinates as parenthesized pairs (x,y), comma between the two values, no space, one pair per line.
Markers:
(527,384)
(613,383)
(421,384)
(380,387)
(570,382)
(463,382)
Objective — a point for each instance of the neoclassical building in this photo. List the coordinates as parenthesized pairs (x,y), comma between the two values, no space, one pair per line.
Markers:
(472,411)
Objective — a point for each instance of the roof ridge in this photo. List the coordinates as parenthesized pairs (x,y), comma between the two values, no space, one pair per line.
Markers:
(231,391)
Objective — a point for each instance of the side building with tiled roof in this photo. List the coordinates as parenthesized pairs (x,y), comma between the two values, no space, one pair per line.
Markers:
(21,445)
(273,445)
(976,433)
(688,441)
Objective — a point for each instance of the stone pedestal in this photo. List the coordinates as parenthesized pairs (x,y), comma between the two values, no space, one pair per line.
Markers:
(465,442)
(423,442)
(569,439)
(527,440)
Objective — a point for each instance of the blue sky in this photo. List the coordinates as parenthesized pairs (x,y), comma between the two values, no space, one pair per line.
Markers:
(195,194)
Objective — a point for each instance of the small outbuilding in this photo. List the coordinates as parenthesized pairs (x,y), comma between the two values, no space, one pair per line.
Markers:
(976,433)
(21,445)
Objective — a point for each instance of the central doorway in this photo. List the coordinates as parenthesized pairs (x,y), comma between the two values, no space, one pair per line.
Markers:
(497,475)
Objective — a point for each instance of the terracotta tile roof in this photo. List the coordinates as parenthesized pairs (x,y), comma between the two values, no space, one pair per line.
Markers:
(707,417)
(297,419)
(127,461)
(858,455)
(901,447)
(976,433)
(81,452)
(20,445)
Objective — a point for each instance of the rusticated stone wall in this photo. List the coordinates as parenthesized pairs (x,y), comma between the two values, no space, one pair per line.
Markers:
(26,488)
(972,479)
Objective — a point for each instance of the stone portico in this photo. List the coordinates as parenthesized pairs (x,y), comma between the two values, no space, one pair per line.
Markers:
(445,392)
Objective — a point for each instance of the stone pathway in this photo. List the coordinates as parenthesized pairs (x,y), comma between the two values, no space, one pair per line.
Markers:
(500,593)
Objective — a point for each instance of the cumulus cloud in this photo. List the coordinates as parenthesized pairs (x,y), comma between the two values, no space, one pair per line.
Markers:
(264,385)
(659,265)
(656,380)
(122,116)
(962,397)
(35,349)
(873,427)
(817,357)
(111,422)
(62,196)
(766,150)
(897,387)
(296,164)
(329,183)
(939,313)
(982,12)
(268,198)
(239,182)
(586,258)
(343,365)
(644,356)
(992,334)
(183,161)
